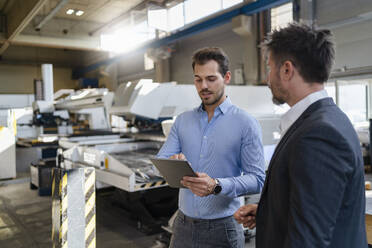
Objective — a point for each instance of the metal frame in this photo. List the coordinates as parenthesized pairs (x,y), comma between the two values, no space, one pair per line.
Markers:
(109,170)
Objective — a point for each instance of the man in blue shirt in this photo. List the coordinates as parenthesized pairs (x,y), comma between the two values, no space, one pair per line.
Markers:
(223,145)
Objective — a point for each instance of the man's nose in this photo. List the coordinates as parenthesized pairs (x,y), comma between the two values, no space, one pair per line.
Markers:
(204,84)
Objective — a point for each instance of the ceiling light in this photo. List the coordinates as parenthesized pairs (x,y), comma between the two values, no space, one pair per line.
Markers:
(70,11)
(79,13)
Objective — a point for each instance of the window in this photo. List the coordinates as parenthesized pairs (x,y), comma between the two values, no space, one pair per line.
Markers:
(186,12)
(353,99)
(281,16)
(158,19)
(176,18)
(196,9)
(331,90)
(228,3)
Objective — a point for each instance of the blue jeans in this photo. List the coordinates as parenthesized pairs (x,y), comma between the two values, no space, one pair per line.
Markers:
(202,233)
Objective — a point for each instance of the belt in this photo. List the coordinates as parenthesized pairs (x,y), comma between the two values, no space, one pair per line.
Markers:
(187,219)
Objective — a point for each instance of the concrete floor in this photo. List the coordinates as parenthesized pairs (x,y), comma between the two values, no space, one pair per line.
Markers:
(25,220)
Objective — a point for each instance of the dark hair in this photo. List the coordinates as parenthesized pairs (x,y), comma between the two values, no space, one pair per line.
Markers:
(311,51)
(206,54)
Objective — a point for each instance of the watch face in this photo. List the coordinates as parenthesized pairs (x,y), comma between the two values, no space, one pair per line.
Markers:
(217,189)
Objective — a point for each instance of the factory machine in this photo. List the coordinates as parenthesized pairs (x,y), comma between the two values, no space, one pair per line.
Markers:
(66,113)
(62,112)
(88,106)
(83,110)
(122,160)
(119,162)
(125,157)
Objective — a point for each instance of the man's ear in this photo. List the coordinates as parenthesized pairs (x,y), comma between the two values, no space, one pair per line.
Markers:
(287,70)
(227,77)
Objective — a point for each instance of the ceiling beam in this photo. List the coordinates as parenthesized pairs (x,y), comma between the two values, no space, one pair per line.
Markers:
(119,18)
(51,14)
(87,44)
(19,16)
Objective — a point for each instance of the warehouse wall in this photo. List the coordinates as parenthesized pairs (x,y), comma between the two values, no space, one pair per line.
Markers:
(223,36)
(20,65)
(18,79)
(332,11)
(39,55)
(352,29)
(353,45)
(237,48)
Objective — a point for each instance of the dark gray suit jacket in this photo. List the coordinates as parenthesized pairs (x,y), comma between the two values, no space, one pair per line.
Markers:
(314,190)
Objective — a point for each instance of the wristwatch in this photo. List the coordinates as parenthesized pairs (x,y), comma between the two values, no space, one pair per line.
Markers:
(217,189)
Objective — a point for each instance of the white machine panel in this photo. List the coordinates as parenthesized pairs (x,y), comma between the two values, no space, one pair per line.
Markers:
(7,154)
(256,100)
(166,100)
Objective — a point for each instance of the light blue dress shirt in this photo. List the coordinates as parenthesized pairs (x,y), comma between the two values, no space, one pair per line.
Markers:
(228,148)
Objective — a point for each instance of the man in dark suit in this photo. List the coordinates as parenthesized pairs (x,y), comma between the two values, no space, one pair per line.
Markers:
(314,190)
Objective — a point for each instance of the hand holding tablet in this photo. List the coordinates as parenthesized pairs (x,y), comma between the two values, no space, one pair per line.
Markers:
(173,170)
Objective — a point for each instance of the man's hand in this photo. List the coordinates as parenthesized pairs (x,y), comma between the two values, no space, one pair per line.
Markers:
(246,215)
(202,185)
(178,156)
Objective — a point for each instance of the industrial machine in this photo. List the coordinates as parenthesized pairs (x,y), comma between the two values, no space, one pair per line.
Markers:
(66,113)
(123,162)
(85,109)
(119,162)
(88,105)
(61,112)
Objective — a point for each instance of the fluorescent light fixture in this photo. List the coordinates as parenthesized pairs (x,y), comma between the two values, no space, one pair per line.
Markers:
(79,13)
(70,11)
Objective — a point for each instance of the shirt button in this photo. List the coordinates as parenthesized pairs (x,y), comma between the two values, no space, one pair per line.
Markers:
(205,137)
(201,155)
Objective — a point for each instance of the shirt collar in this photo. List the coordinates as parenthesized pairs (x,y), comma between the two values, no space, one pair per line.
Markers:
(296,110)
(223,107)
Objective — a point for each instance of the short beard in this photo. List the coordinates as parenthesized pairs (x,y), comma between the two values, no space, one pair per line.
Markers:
(217,99)
(277,101)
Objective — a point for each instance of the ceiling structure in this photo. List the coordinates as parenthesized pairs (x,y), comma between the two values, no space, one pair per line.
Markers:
(44,23)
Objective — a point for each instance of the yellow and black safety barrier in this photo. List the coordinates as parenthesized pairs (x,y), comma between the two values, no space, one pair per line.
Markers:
(151,185)
(73,208)
(90,210)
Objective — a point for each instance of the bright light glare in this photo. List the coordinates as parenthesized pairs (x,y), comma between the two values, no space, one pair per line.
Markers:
(128,39)
(70,11)
(79,13)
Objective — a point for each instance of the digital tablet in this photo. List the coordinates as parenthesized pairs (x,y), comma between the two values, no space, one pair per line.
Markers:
(173,170)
